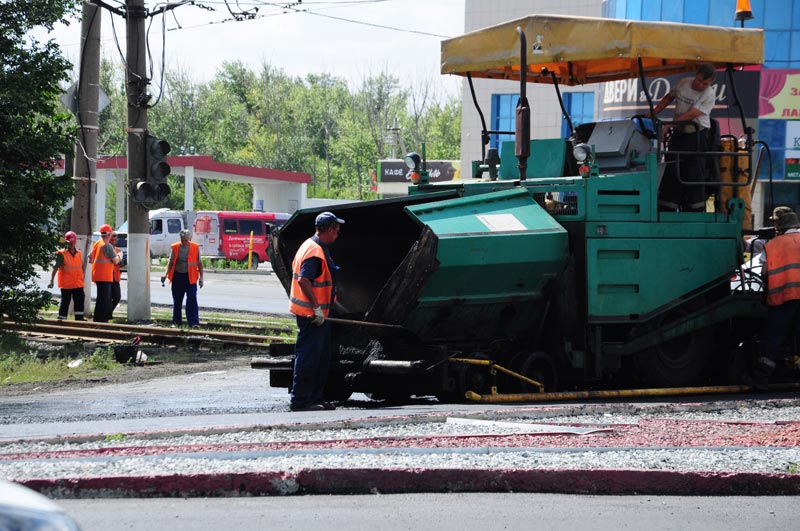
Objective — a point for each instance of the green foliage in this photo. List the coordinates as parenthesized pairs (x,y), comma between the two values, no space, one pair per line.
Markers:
(316,125)
(36,131)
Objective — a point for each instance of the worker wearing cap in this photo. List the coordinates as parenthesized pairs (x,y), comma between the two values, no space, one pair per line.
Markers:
(754,244)
(69,266)
(185,273)
(781,272)
(311,297)
(103,259)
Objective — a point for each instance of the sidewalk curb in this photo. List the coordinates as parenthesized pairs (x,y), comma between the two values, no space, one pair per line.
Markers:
(386,481)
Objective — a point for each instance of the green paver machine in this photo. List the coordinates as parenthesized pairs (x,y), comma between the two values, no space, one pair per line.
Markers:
(554,263)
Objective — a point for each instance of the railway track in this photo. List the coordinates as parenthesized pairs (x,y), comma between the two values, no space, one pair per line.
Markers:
(54,329)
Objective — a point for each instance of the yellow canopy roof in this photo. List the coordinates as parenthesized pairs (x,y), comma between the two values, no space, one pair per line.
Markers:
(591,50)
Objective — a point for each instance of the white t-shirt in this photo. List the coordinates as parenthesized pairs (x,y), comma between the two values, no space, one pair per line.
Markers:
(686,97)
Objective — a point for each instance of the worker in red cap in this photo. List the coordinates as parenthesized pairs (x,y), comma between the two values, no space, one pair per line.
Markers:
(103,259)
(69,266)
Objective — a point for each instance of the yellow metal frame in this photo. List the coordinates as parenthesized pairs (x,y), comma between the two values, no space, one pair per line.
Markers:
(493,368)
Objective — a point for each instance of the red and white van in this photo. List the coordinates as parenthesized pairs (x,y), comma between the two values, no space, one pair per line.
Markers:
(227,234)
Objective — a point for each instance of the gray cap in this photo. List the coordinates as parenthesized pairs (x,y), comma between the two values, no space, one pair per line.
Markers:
(184,233)
(786,221)
(326,219)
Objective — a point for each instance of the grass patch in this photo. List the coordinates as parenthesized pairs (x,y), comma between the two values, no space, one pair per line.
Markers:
(21,364)
(26,362)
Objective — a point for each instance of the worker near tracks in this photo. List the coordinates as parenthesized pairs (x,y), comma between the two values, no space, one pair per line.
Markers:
(103,259)
(185,273)
(116,289)
(69,266)
(781,273)
(694,100)
(311,297)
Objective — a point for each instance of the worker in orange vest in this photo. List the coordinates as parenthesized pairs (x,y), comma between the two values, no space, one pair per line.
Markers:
(781,272)
(116,289)
(69,266)
(103,259)
(311,298)
(185,273)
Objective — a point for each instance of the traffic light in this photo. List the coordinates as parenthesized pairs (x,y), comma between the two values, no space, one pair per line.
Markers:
(154,189)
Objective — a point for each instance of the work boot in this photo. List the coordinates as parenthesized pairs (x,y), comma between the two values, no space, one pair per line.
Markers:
(758,381)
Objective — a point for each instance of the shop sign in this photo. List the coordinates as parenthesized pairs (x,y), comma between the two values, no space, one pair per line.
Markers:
(396,171)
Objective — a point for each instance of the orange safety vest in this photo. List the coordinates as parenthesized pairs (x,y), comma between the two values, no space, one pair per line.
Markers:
(322,285)
(193,261)
(783,269)
(102,266)
(117,267)
(70,274)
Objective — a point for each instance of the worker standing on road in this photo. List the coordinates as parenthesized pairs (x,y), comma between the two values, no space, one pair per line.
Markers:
(311,297)
(116,289)
(782,287)
(69,266)
(103,259)
(185,273)
(694,100)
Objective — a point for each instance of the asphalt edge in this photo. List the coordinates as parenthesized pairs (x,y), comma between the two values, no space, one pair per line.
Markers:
(409,480)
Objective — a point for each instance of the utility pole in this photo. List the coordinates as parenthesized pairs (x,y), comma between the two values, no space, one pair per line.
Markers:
(85,169)
(138,215)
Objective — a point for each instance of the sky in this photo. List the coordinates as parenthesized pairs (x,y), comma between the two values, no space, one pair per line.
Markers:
(300,39)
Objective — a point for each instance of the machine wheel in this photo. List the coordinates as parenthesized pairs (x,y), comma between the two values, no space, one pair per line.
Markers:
(678,362)
(538,366)
(254,261)
(474,378)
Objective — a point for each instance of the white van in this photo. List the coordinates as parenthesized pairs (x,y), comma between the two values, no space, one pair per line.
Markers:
(165,228)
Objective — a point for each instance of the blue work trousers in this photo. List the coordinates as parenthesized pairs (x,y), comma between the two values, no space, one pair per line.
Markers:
(181,288)
(102,308)
(782,324)
(312,360)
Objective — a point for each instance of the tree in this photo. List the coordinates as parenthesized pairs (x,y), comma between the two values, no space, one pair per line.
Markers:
(36,131)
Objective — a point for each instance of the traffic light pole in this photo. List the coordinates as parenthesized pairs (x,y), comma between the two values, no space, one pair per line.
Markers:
(138,214)
(85,169)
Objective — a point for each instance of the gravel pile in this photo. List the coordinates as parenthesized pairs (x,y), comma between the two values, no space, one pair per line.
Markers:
(725,437)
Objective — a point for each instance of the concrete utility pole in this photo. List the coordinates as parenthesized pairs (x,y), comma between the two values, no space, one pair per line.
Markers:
(86,149)
(138,215)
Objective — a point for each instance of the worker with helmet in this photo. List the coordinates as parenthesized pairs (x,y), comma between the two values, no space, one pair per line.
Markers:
(103,259)
(69,266)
